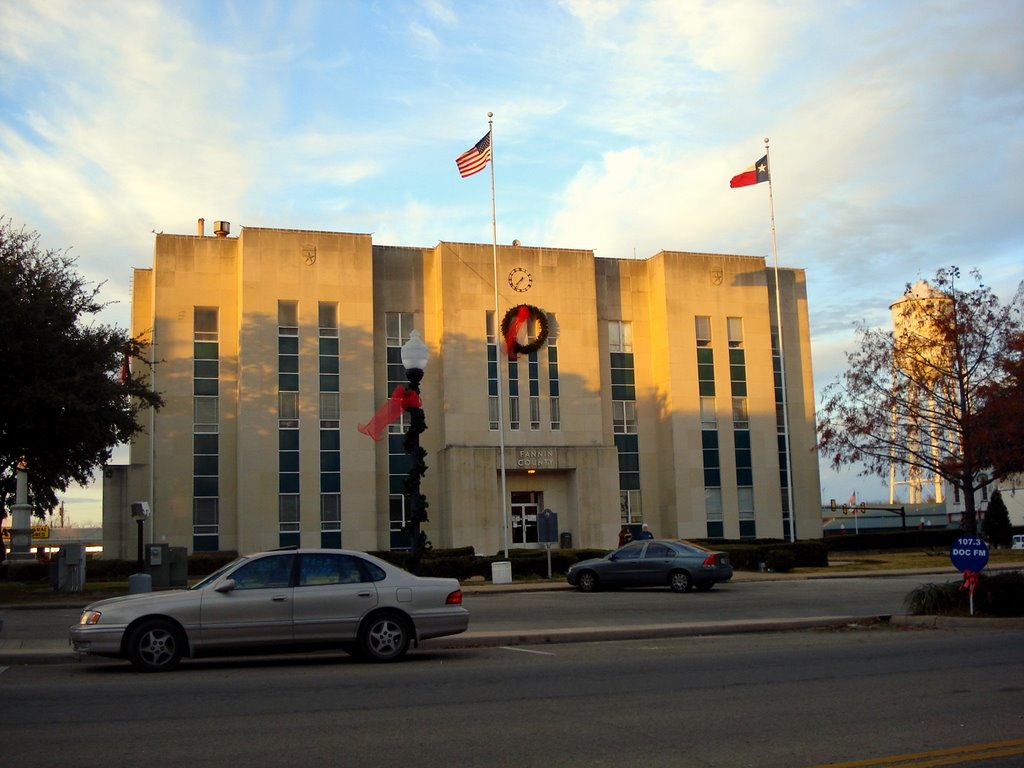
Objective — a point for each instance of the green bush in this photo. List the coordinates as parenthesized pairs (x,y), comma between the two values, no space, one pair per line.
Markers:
(748,555)
(1001,594)
(780,560)
(26,572)
(934,599)
(912,538)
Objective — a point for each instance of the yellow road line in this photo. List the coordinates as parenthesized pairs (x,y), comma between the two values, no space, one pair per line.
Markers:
(938,757)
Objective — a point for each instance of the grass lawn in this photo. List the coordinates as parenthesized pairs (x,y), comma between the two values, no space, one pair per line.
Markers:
(840,562)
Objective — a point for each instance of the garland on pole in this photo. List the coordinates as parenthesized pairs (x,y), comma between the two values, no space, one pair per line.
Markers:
(513,322)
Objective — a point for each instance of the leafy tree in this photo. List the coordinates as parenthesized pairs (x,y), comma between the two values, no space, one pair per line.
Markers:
(996,525)
(998,429)
(911,395)
(67,392)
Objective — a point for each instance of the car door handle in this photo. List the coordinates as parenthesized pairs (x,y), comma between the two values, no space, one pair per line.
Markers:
(279,598)
(365,594)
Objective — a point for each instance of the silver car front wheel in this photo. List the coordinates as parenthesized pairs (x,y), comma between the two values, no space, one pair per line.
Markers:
(155,646)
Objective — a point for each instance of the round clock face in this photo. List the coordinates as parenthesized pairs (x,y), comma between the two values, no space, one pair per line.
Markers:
(520,280)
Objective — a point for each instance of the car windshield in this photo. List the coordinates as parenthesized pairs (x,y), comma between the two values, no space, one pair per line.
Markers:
(217,574)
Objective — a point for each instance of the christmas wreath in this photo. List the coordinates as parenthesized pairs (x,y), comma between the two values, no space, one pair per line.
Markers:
(513,322)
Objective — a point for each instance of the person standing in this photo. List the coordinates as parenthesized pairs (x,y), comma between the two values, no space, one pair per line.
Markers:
(624,535)
(645,532)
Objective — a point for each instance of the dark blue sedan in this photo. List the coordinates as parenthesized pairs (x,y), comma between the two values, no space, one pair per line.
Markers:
(680,565)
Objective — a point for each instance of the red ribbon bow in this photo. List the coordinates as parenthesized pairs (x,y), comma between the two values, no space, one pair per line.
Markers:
(401,400)
(512,336)
(970,581)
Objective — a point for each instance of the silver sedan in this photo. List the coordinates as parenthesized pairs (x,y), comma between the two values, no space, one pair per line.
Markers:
(278,600)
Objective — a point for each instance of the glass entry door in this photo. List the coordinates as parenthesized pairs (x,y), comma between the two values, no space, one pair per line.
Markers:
(526,506)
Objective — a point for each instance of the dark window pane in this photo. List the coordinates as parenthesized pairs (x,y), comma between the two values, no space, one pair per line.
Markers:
(205,465)
(205,350)
(204,486)
(205,387)
(204,443)
(330,439)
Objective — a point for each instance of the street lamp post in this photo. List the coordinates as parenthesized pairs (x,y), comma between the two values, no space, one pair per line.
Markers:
(414,360)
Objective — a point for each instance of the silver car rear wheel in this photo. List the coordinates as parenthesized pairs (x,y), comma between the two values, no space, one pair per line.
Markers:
(680,581)
(385,637)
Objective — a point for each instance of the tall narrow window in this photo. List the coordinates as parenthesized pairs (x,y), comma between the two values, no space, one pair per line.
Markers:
(205,430)
(330,426)
(513,394)
(398,325)
(533,376)
(288,500)
(713,512)
(741,429)
(624,419)
(492,372)
(553,387)
(782,437)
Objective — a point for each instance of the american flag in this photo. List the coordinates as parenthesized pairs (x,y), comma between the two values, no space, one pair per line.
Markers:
(475,158)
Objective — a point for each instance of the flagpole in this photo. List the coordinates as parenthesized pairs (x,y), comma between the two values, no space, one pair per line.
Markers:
(497,314)
(782,356)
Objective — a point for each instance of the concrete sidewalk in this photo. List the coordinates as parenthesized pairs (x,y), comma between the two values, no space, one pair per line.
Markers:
(40,650)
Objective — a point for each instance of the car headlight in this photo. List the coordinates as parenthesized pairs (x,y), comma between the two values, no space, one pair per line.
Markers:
(89,618)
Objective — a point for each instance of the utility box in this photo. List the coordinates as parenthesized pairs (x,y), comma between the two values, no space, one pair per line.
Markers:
(179,566)
(565,540)
(70,575)
(158,565)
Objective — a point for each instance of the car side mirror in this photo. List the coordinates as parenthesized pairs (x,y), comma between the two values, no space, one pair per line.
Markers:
(226,586)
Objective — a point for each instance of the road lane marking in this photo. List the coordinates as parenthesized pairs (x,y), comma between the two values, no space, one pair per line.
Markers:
(526,650)
(938,757)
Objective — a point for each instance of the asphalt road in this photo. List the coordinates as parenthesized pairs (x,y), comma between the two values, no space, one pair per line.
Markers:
(533,610)
(785,700)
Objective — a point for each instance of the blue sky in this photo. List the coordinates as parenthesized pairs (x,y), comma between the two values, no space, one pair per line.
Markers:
(897,134)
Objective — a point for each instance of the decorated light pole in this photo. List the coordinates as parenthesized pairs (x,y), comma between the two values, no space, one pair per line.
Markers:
(414,360)
(21,519)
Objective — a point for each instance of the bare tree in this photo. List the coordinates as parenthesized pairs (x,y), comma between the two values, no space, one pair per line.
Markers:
(910,397)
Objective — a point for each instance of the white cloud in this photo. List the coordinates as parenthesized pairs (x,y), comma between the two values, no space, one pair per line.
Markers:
(897,130)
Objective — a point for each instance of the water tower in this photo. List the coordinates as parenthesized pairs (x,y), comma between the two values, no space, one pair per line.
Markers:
(923,355)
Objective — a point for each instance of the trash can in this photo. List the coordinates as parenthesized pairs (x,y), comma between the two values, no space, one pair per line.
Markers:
(565,540)
(501,572)
(139,583)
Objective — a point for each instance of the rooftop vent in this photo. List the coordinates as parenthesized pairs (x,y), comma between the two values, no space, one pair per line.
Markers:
(222,228)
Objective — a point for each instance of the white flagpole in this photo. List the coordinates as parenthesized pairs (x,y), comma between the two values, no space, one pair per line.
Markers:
(782,358)
(497,339)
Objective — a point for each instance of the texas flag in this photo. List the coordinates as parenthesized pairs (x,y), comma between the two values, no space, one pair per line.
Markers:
(755,174)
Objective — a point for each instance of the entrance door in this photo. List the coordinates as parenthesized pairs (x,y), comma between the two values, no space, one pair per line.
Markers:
(525,508)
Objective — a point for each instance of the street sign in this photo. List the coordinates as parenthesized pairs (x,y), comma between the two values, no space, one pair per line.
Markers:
(969,553)
(547,527)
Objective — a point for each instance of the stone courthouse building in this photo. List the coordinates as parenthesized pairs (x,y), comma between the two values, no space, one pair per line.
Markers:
(642,391)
